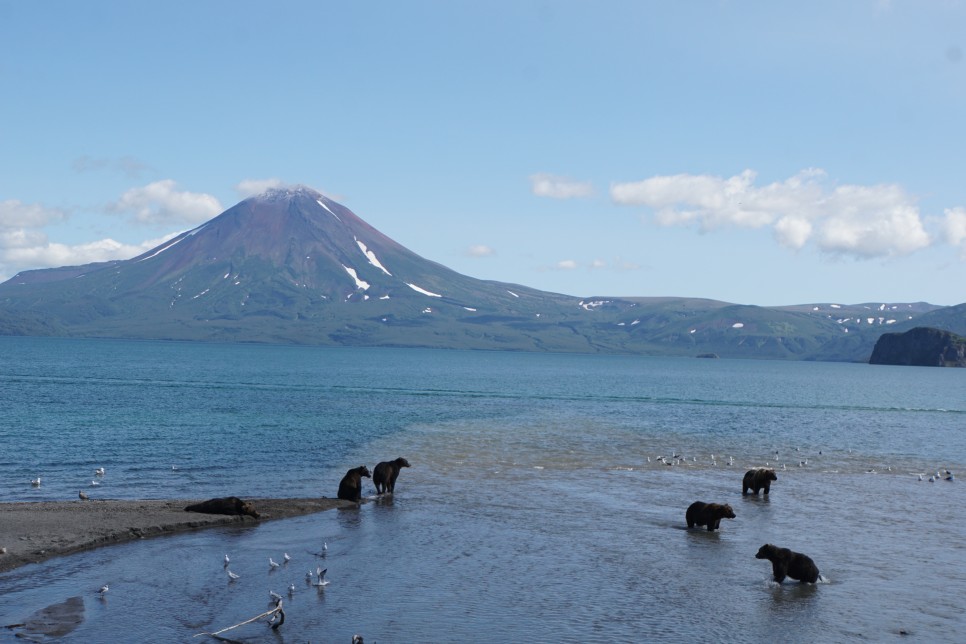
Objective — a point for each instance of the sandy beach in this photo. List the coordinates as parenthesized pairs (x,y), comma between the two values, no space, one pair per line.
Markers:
(34,532)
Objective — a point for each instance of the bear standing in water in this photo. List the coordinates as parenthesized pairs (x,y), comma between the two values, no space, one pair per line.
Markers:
(350,487)
(757,479)
(385,474)
(784,563)
(709,514)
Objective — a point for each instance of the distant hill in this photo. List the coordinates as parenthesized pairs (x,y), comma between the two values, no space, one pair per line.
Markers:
(293,266)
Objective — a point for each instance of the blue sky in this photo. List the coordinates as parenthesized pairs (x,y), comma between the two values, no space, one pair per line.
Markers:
(753,152)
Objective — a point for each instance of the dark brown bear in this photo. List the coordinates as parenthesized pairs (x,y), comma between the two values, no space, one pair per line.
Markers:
(757,479)
(709,514)
(224,505)
(385,474)
(350,488)
(784,563)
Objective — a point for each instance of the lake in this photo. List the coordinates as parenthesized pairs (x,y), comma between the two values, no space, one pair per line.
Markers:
(537,505)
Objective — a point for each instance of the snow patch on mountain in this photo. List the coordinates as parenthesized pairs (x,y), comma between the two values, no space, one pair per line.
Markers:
(319,201)
(371,256)
(360,284)
(161,250)
(422,290)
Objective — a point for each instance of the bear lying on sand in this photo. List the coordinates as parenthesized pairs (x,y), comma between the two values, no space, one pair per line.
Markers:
(757,479)
(224,505)
(350,487)
(784,563)
(385,474)
(709,514)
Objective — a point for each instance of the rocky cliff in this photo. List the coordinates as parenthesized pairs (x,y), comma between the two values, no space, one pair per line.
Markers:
(921,347)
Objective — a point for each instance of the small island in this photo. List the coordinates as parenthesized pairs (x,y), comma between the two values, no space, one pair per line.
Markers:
(920,347)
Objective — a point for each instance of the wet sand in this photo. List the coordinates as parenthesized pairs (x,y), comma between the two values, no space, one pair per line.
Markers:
(35,532)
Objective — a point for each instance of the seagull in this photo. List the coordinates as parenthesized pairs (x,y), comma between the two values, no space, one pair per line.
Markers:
(272,563)
(286,558)
(83,497)
(35,482)
(274,595)
(232,575)
(103,590)
(227,559)
(99,471)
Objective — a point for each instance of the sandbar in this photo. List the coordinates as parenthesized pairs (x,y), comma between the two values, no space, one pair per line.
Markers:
(36,531)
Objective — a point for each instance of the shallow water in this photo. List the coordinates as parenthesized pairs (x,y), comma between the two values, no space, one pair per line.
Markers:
(531,510)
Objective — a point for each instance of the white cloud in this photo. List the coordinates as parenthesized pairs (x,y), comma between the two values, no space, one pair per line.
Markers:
(26,250)
(953,228)
(249,187)
(862,221)
(16,214)
(480,250)
(161,203)
(548,185)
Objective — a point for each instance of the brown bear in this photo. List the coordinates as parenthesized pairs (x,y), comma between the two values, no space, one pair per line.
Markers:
(224,505)
(784,563)
(757,479)
(709,514)
(350,487)
(385,474)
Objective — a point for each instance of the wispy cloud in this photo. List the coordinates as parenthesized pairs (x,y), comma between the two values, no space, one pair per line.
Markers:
(860,221)
(548,185)
(126,165)
(161,203)
(249,187)
(480,250)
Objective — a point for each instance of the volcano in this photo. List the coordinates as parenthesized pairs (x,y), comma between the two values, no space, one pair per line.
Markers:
(293,266)
(289,265)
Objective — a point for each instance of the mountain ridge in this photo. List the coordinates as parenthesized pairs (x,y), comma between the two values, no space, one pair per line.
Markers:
(293,266)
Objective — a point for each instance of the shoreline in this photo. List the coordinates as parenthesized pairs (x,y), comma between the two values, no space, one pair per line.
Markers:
(35,531)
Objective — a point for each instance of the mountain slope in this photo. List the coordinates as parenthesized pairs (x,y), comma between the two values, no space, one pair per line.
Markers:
(293,266)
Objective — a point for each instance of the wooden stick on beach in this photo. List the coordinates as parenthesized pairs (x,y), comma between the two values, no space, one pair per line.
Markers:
(275,611)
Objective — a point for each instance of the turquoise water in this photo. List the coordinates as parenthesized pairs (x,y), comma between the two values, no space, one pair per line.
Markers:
(536,506)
